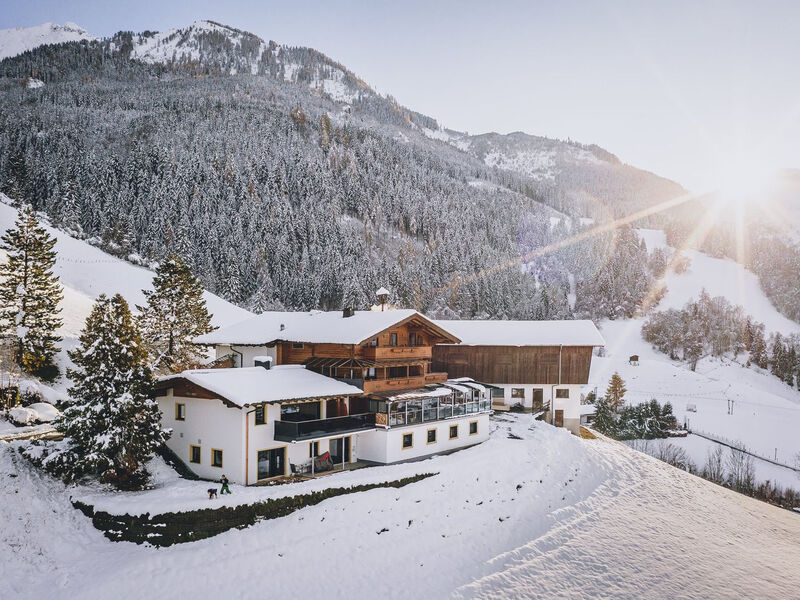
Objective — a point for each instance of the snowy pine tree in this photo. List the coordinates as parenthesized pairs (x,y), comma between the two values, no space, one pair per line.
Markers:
(113,426)
(174,315)
(605,418)
(30,294)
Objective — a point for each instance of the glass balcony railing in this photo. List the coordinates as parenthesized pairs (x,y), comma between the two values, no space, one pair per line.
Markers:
(290,431)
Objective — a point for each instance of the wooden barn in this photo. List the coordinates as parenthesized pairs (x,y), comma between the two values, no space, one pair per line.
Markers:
(541,366)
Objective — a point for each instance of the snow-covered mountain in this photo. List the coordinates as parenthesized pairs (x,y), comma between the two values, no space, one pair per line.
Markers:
(586,179)
(212,46)
(18,40)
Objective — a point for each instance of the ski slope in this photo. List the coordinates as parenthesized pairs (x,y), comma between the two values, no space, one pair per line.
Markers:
(565,518)
(766,411)
(86,272)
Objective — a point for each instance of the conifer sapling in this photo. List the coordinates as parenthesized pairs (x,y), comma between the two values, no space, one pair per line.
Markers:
(30,294)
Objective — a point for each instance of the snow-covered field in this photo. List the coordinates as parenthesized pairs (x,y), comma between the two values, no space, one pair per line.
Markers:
(766,412)
(547,515)
(697,449)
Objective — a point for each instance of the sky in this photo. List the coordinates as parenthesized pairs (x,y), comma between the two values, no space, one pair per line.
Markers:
(705,93)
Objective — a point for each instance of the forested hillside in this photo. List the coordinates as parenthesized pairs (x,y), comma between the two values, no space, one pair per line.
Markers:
(284,180)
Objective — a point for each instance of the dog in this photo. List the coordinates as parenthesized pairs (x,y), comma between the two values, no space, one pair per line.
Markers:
(212,493)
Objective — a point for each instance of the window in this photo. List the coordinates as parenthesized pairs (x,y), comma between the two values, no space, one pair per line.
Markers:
(393,339)
(271,463)
(216,458)
(408,440)
(453,432)
(373,342)
(517,392)
(261,414)
(412,339)
(431,436)
(313,449)
(194,454)
(562,393)
(473,428)
(297,345)
(180,411)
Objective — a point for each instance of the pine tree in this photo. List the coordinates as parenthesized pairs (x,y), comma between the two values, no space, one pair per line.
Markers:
(605,419)
(758,347)
(30,295)
(615,393)
(175,314)
(113,426)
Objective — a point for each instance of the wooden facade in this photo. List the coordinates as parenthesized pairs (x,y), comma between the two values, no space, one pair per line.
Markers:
(397,358)
(515,364)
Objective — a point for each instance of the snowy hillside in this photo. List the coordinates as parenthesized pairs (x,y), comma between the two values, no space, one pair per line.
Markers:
(86,272)
(18,40)
(766,412)
(565,514)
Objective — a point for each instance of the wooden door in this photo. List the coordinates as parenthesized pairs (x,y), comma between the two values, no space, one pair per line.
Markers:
(538,399)
(559,418)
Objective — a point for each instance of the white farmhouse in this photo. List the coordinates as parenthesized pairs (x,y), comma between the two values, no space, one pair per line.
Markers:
(351,386)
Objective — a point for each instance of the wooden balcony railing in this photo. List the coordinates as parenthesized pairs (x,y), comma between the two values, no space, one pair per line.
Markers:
(402,383)
(397,352)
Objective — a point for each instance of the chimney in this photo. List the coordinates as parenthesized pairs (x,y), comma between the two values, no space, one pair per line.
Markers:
(263,361)
(348,312)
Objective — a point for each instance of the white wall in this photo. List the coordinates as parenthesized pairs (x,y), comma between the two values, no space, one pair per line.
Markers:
(386,445)
(248,353)
(571,406)
(262,438)
(209,424)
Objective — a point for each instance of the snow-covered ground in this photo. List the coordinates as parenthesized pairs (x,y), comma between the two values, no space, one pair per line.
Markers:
(86,272)
(547,515)
(766,412)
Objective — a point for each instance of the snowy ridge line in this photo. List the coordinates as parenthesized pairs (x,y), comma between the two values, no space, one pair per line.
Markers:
(724,442)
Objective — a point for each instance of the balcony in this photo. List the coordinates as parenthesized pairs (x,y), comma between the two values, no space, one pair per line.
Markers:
(397,352)
(294,431)
(399,383)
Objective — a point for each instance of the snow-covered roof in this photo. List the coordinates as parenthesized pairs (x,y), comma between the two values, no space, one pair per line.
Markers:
(314,327)
(254,385)
(588,409)
(421,393)
(525,333)
(468,382)
(459,388)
